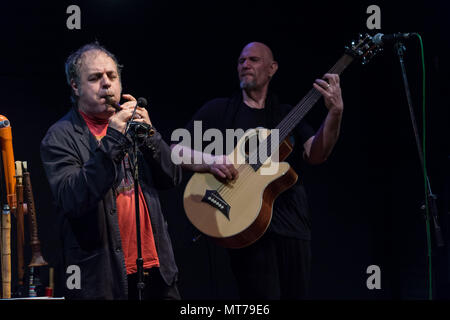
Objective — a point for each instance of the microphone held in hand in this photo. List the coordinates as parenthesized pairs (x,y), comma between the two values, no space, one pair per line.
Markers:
(138,129)
(142,102)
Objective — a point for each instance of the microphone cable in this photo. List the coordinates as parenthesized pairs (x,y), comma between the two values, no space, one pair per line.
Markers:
(425,174)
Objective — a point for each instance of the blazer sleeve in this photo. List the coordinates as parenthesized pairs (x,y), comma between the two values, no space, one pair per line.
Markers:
(76,186)
(157,153)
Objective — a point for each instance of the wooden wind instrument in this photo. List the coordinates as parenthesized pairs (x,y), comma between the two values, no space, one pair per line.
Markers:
(37,260)
(6,252)
(20,227)
(51,284)
(9,172)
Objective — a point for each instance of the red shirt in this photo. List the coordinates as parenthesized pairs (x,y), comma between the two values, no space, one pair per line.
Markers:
(125,202)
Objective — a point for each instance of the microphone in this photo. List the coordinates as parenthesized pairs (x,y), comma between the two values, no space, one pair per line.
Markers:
(138,127)
(142,102)
(379,39)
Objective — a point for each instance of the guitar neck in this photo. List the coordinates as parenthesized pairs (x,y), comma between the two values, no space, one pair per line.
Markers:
(297,113)
(302,108)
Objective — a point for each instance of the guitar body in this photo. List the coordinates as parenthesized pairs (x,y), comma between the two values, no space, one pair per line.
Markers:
(237,213)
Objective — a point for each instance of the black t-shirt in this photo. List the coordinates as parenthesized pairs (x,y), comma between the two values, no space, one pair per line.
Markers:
(291,215)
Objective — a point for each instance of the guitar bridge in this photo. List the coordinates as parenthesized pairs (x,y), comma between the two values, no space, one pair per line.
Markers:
(213,198)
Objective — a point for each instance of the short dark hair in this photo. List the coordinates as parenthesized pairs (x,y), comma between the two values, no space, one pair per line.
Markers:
(73,64)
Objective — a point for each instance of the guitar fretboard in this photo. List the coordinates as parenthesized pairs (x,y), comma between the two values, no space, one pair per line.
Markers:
(295,116)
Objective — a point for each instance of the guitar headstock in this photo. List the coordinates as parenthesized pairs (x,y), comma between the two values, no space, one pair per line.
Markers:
(364,48)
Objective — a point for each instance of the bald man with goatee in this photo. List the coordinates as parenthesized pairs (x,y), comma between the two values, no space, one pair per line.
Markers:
(276,266)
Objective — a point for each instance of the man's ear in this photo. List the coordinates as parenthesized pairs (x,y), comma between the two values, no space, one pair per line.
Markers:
(74,86)
(273,68)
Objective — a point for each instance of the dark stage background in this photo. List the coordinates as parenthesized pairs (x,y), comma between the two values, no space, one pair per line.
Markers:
(365,199)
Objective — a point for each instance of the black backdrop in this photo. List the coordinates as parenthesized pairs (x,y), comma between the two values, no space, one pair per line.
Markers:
(365,199)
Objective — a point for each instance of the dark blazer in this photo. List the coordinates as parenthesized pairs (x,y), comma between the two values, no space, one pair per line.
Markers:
(83,174)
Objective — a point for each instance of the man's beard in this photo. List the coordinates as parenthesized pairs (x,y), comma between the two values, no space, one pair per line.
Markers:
(248,84)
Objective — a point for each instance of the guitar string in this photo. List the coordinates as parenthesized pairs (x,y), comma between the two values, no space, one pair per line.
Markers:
(254,156)
(305,105)
(227,192)
(308,102)
(296,113)
(291,118)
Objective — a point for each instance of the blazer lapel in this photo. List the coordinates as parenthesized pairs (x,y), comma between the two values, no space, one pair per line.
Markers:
(85,136)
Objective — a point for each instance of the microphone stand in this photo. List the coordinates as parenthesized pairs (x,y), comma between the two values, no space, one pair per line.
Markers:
(139,260)
(139,132)
(430,197)
(400,48)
